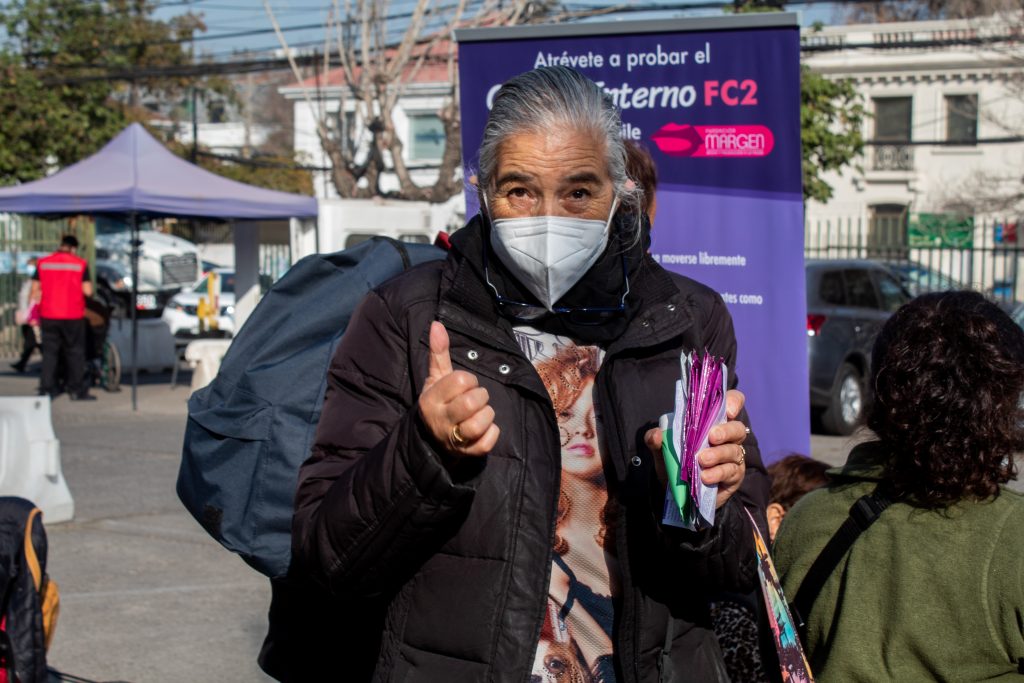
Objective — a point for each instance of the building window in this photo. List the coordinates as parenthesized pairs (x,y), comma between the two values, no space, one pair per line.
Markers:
(962,119)
(426,137)
(887,231)
(343,124)
(217,112)
(893,134)
(892,119)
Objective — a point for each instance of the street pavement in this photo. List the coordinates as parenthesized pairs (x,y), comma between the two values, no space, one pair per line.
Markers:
(146,595)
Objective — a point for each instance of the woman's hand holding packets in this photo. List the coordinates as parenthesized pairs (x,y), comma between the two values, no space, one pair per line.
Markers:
(724,462)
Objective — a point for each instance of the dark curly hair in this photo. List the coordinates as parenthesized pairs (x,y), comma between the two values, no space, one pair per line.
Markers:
(947,373)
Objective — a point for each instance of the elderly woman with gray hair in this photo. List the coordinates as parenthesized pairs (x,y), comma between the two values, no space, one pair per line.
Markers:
(485,468)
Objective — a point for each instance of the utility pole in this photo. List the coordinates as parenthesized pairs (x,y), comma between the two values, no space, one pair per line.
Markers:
(247,117)
(195,124)
(136,14)
(194,107)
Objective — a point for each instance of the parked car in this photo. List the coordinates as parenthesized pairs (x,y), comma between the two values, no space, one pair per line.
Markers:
(181,312)
(918,278)
(1018,315)
(847,303)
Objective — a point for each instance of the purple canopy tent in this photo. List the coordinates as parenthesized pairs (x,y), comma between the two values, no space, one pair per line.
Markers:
(135,176)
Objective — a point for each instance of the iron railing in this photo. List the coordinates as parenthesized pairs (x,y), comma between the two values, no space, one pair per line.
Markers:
(892,158)
(985,255)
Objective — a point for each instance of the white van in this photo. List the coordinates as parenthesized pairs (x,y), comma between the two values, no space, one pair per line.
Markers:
(344,223)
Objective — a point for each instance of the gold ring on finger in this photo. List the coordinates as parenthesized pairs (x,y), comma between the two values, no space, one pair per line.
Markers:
(743,455)
(458,441)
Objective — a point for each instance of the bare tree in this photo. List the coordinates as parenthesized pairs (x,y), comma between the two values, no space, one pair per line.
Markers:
(882,11)
(377,64)
(993,190)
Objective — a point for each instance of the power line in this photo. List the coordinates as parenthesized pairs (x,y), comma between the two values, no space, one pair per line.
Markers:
(808,45)
(1005,140)
(253,32)
(265,163)
(236,34)
(197,70)
(262,163)
(174,3)
(117,73)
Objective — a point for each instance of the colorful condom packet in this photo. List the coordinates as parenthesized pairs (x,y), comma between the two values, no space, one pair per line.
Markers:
(699,406)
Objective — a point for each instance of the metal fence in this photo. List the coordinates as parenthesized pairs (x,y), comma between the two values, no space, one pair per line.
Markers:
(275,260)
(24,237)
(21,239)
(933,251)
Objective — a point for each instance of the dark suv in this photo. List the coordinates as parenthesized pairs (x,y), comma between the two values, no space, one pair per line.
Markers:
(847,303)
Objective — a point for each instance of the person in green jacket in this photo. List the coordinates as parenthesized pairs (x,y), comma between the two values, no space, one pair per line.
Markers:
(934,589)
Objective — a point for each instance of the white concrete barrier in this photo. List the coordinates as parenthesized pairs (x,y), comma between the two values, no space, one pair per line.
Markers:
(204,357)
(30,457)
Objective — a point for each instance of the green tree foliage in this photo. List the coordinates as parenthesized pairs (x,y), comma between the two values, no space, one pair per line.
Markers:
(741,6)
(831,117)
(46,122)
(59,103)
(272,171)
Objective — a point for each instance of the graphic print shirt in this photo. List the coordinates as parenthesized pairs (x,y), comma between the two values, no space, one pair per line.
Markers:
(576,643)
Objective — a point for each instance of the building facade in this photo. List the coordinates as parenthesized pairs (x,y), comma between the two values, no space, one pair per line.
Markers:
(945,152)
(945,136)
(346,222)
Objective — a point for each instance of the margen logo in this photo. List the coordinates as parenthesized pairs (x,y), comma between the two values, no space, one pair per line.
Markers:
(684,140)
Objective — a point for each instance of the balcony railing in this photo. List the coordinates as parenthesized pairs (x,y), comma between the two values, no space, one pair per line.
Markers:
(894,157)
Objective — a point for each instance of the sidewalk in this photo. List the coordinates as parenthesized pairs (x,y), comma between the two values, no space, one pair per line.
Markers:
(146,594)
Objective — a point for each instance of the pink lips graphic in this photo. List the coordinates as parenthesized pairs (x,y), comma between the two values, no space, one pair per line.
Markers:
(684,140)
(677,140)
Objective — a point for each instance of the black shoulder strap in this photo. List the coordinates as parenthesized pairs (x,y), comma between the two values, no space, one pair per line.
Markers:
(402,251)
(863,513)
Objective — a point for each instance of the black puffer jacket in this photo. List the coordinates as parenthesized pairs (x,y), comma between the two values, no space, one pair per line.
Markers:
(460,561)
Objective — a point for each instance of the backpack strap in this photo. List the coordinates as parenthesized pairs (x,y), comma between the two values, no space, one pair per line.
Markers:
(863,513)
(402,251)
(31,559)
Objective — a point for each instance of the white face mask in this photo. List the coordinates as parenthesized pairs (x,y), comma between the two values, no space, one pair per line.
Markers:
(549,254)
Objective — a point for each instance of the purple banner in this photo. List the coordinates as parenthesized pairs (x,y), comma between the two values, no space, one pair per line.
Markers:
(720,112)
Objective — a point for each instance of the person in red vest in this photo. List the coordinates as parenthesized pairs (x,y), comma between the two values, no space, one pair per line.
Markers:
(61,285)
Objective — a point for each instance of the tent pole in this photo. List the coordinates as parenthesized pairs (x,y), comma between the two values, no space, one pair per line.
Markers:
(135,305)
(316,233)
